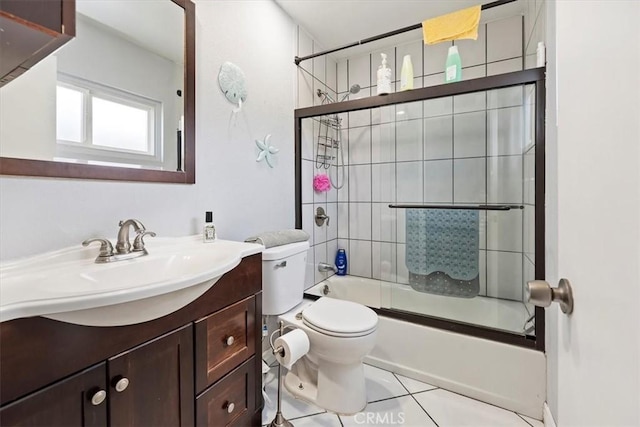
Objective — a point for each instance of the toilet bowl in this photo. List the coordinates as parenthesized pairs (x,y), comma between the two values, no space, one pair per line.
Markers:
(341,333)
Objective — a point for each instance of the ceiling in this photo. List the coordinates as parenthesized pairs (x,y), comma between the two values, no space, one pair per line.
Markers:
(335,23)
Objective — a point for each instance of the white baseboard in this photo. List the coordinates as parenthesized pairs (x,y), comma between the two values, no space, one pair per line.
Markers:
(547,416)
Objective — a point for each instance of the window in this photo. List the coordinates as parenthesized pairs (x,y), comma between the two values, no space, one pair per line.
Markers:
(85,115)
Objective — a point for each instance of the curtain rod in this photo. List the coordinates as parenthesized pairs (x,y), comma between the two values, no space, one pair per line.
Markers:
(298,59)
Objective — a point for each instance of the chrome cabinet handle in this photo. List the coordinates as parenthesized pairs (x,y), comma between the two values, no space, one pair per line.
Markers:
(541,294)
(230,340)
(230,407)
(121,384)
(98,397)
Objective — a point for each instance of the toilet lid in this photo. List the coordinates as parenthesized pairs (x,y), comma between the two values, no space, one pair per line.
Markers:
(340,318)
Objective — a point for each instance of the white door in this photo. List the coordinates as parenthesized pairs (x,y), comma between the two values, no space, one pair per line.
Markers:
(593,211)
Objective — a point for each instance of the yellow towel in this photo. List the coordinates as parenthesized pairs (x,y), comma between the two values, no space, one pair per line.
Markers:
(462,24)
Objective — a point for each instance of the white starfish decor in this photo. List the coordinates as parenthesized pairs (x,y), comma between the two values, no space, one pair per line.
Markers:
(266,151)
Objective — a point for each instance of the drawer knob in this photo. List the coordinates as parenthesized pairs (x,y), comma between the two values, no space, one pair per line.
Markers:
(122,384)
(230,340)
(98,397)
(230,407)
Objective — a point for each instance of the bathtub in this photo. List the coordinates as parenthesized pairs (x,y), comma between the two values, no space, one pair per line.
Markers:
(504,375)
(482,311)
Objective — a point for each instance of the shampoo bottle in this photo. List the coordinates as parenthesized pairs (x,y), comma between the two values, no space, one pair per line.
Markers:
(406,75)
(453,68)
(209,234)
(384,77)
(341,262)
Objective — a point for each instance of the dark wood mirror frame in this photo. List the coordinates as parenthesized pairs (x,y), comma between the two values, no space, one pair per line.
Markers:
(41,168)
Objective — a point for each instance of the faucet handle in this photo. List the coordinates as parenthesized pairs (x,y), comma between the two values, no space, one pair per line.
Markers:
(106,248)
(138,242)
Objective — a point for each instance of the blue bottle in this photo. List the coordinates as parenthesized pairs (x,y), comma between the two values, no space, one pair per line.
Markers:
(341,262)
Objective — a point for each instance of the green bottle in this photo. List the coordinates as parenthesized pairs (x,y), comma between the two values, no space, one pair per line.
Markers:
(453,68)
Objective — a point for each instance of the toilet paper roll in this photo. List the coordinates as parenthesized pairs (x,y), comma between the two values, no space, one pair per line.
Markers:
(295,345)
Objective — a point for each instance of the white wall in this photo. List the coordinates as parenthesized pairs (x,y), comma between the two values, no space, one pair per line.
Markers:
(38,214)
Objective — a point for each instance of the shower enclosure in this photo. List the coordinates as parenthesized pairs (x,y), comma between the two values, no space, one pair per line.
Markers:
(441,209)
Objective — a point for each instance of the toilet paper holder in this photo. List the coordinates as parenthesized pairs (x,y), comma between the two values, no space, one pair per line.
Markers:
(279,420)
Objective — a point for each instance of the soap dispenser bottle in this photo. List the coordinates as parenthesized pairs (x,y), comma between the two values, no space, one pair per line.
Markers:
(453,68)
(384,77)
(406,75)
(209,234)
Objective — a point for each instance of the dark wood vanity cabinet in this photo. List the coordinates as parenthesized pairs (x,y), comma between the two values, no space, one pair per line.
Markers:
(152,384)
(196,366)
(65,403)
(30,30)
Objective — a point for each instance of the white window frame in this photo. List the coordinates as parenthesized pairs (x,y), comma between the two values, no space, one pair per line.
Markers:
(86,152)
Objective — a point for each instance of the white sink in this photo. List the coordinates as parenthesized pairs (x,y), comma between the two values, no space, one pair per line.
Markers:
(67,285)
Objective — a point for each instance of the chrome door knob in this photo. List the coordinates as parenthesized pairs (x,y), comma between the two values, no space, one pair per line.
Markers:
(98,397)
(540,293)
(230,407)
(230,340)
(122,384)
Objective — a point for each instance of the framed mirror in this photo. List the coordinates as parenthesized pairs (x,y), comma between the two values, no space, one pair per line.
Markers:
(115,103)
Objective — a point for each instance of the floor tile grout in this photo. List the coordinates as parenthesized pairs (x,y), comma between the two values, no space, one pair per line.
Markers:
(523,419)
(390,398)
(425,411)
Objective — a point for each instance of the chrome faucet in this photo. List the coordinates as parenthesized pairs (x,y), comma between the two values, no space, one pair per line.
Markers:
(123,246)
(123,249)
(324,267)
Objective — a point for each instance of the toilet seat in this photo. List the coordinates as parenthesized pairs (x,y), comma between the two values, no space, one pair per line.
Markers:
(339,318)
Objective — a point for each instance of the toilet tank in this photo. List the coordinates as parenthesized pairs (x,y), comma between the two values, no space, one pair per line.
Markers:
(283,270)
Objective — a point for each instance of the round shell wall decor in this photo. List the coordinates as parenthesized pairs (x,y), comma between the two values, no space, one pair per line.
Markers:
(232,83)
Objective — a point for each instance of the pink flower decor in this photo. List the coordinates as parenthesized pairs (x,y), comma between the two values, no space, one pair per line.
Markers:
(321,183)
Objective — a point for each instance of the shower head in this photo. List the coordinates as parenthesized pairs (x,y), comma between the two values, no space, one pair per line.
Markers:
(352,90)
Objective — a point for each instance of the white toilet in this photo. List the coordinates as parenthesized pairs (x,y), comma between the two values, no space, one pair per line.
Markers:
(341,333)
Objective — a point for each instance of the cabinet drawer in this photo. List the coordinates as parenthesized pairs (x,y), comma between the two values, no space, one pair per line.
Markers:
(224,340)
(230,402)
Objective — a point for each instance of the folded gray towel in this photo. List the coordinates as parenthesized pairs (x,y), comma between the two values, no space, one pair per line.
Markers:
(279,238)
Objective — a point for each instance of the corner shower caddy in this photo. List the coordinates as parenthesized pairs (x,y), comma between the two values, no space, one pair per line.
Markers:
(527,77)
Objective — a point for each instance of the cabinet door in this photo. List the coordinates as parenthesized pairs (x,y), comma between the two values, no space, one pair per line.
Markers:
(152,384)
(80,400)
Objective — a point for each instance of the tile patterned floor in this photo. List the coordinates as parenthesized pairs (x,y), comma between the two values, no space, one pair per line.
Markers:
(395,400)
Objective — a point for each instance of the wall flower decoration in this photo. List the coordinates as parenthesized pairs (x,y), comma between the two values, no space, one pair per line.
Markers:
(266,151)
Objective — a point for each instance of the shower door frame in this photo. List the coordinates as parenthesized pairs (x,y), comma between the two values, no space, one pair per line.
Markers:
(534,76)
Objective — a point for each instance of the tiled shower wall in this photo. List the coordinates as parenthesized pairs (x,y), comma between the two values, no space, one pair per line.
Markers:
(313,75)
(390,160)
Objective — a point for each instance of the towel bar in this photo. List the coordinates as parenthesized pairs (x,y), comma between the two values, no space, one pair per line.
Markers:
(461,207)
